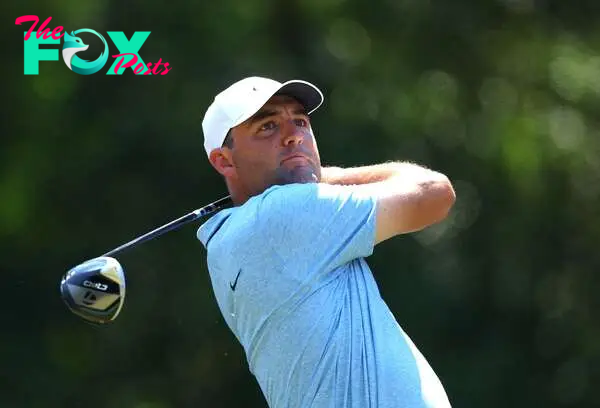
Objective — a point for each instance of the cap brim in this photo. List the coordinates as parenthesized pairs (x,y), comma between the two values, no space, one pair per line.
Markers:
(306,93)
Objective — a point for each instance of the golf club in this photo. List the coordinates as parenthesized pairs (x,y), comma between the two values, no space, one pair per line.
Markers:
(95,289)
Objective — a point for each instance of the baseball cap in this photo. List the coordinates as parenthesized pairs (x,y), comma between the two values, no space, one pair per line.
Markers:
(244,98)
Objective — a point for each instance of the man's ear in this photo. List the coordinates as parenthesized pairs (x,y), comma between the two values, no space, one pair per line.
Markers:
(222,160)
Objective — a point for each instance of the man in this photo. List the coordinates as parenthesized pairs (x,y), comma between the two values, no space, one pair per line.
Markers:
(287,260)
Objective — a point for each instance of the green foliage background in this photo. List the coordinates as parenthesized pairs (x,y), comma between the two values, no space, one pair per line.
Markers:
(502,96)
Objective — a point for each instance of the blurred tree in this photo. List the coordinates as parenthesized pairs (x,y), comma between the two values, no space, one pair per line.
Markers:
(500,95)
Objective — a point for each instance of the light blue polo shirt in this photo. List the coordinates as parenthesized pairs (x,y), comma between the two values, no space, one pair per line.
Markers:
(289,275)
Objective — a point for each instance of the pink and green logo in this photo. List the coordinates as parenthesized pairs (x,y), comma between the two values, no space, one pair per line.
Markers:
(128,56)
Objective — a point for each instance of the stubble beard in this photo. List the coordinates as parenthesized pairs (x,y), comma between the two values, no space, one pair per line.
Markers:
(298,174)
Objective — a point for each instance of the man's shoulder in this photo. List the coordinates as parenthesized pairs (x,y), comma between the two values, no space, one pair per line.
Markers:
(273,206)
(211,227)
(297,192)
(236,221)
(283,189)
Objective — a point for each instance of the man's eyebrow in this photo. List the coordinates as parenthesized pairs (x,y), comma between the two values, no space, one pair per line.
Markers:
(266,113)
(260,115)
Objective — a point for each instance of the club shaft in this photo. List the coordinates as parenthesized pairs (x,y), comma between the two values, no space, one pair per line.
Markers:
(179,222)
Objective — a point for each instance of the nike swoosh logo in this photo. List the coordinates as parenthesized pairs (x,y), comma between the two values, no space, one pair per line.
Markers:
(234,284)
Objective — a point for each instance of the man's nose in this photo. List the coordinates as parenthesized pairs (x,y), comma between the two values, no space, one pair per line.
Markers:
(292,133)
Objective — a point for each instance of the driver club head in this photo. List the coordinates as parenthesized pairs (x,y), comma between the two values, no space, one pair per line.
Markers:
(95,289)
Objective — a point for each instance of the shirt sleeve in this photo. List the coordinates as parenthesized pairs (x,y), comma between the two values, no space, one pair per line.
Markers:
(317,224)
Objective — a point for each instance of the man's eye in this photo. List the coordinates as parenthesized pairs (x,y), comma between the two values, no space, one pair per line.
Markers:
(301,122)
(267,126)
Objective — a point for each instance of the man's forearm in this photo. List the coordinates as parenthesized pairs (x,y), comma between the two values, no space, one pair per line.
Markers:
(372,174)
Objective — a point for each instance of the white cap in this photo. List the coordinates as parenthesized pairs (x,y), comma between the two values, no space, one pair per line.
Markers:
(244,98)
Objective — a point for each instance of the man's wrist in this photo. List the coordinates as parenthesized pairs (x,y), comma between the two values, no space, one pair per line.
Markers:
(332,175)
(360,175)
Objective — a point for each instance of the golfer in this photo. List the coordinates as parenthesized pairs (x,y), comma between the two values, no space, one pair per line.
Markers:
(287,261)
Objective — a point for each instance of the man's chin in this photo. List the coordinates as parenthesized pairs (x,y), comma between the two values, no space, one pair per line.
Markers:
(300,175)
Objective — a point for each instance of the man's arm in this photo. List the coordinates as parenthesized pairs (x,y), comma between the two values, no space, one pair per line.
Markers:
(409,197)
